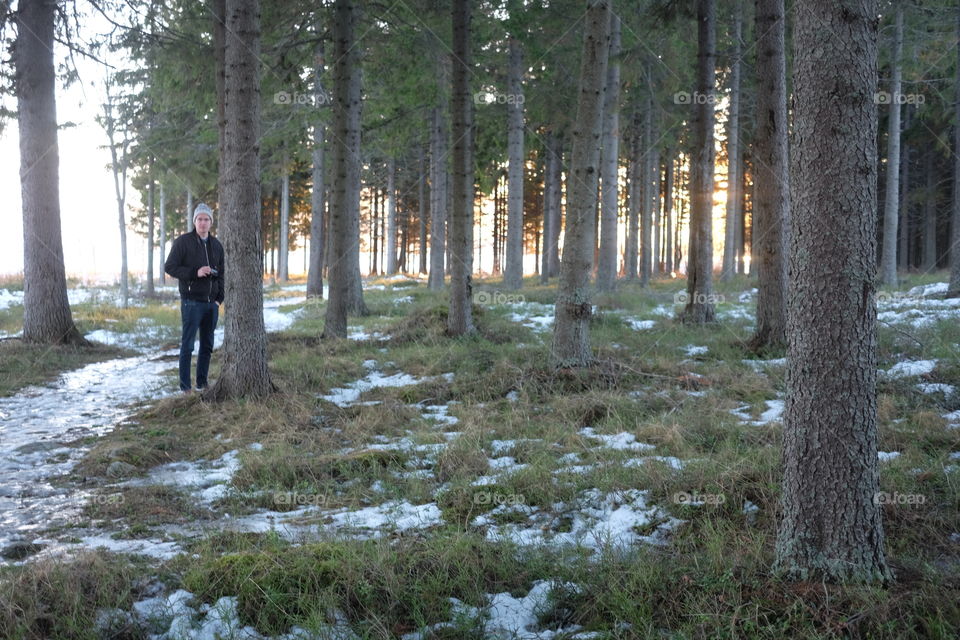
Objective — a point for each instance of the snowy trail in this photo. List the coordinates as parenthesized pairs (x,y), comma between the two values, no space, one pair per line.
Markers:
(38,424)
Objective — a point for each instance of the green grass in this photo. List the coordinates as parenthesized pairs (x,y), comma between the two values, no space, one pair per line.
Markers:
(712,580)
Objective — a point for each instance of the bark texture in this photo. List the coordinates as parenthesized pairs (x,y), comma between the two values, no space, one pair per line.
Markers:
(46,310)
(830,523)
(888,256)
(513,268)
(610,154)
(571,337)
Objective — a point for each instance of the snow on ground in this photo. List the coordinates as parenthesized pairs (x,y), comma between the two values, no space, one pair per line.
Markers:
(886,456)
(349,395)
(910,368)
(936,387)
(760,366)
(620,441)
(39,428)
(694,350)
(640,325)
(919,307)
(773,413)
(592,520)
(10,298)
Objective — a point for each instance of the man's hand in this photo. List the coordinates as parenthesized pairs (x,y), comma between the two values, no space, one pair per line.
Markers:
(203,272)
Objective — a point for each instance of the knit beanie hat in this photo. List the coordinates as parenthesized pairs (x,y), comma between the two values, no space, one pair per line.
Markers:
(202,208)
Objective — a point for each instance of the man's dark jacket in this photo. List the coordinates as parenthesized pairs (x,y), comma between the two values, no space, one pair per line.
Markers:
(187,255)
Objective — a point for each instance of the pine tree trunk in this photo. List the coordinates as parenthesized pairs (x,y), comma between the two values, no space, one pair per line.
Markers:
(317,215)
(422,207)
(700,300)
(188,214)
(163,232)
(571,337)
(284,232)
(438,199)
(460,316)
(391,239)
(830,523)
(930,214)
(610,154)
(903,224)
(548,160)
(734,182)
(954,289)
(244,372)
(668,214)
(151,230)
(346,168)
(646,259)
(513,272)
(631,252)
(771,208)
(888,259)
(46,310)
(655,203)
(555,150)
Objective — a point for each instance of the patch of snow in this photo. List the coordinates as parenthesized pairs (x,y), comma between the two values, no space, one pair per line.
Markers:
(909,368)
(348,396)
(936,387)
(9,298)
(640,325)
(760,365)
(886,456)
(694,350)
(620,441)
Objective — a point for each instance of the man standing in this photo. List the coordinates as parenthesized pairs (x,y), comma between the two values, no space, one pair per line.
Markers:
(196,260)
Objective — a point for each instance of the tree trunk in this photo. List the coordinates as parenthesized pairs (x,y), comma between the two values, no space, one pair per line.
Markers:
(954,289)
(700,303)
(151,230)
(631,252)
(830,524)
(556,206)
(930,214)
(317,217)
(734,182)
(655,204)
(391,239)
(46,310)
(903,224)
(610,154)
(460,316)
(888,259)
(548,160)
(771,209)
(244,372)
(571,337)
(284,232)
(422,208)
(438,200)
(163,232)
(645,196)
(118,166)
(668,214)
(513,272)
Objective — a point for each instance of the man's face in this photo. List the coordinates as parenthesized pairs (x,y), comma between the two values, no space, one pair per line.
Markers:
(202,223)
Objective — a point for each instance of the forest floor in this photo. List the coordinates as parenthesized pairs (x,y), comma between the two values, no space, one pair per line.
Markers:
(403,484)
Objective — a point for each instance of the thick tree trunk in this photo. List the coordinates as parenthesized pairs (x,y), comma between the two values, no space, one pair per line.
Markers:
(734,182)
(46,310)
(151,230)
(700,299)
(929,213)
(244,372)
(513,272)
(609,170)
(438,199)
(655,203)
(460,316)
(830,524)
(888,258)
(571,337)
(391,239)
(771,207)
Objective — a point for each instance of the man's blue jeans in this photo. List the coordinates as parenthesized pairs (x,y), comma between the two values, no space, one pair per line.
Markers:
(203,316)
